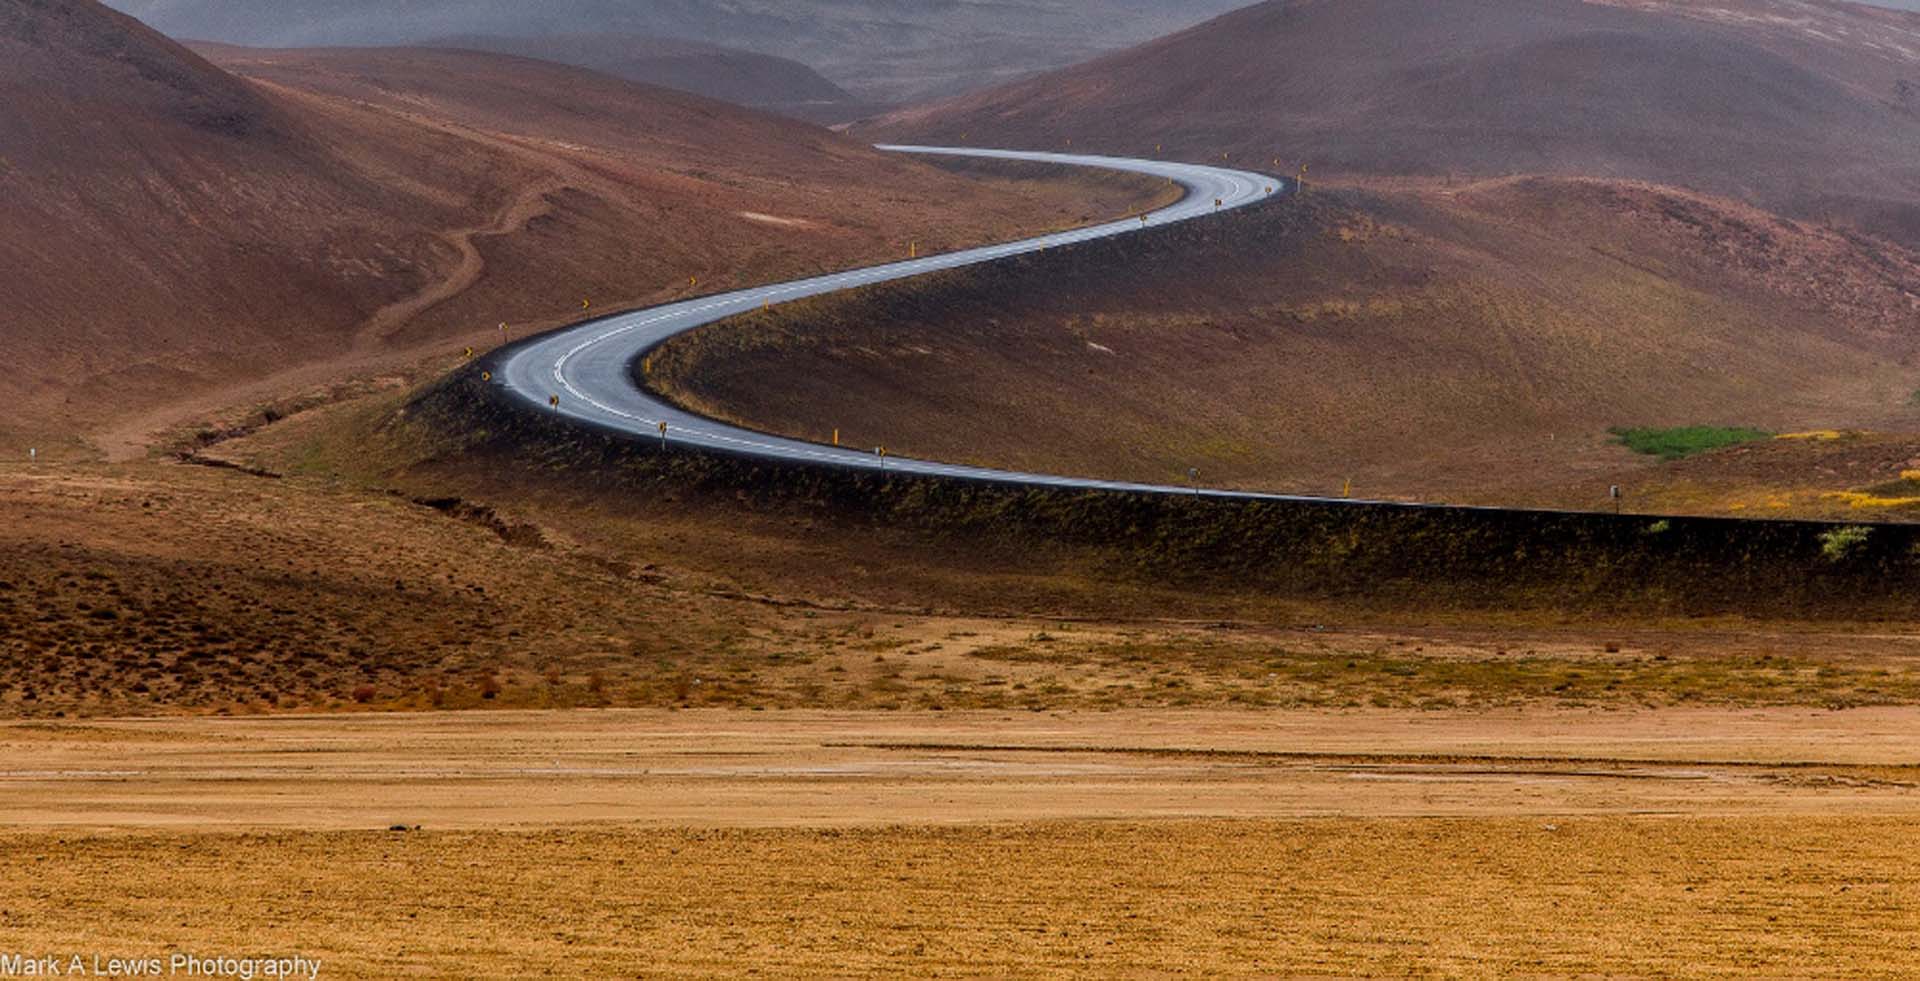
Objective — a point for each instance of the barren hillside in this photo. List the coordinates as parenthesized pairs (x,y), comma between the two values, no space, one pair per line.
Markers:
(1436,344)
(172,229)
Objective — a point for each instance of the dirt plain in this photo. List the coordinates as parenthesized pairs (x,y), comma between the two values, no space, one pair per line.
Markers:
(701,844)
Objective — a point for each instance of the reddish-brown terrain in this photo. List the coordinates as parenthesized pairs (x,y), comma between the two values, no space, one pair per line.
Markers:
(172,229)
(1812,108)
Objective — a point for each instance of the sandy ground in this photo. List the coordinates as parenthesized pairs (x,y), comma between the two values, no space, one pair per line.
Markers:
(641,843)
(777,769)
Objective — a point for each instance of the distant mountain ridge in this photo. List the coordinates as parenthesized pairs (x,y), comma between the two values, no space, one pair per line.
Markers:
(731,75)
(1812,109)
(883,51)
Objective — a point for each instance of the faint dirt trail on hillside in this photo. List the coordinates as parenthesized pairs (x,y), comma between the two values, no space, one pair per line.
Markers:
(529,203)
(133,437)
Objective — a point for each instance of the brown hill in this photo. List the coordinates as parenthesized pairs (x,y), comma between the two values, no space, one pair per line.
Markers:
(1475,344)
(168,229)
(1808,107)
(731,75)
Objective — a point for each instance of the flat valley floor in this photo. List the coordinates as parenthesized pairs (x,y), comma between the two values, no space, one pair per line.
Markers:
(1673,841)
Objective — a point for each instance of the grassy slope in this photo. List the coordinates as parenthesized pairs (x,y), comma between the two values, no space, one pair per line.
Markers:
(1463,344)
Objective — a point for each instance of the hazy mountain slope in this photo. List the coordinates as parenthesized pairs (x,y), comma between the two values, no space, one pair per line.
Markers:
(1813,108)
(728,74)
(883,50)
(161,220)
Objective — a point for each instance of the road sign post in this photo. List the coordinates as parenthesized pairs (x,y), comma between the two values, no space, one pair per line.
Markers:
(663,434)
(1614,492)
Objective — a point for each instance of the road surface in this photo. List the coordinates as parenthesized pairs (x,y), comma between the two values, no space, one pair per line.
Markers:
(589,366)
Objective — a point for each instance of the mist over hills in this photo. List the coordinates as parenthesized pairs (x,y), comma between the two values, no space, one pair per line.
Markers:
(892,51)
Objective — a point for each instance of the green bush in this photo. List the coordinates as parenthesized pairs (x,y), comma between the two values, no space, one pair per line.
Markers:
(1840,543)
(1683,441)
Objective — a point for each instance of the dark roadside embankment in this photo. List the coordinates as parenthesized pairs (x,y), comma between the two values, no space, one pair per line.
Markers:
(1373,555)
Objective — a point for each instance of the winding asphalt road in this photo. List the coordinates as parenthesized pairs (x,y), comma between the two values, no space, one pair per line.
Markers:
(589,365)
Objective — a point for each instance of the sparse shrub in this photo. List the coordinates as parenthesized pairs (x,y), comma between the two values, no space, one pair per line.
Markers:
(363,694)
(489,686)
(1684,441)
(1840,544)
(1660,527)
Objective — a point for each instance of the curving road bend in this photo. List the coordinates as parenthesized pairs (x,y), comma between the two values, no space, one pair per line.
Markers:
(589,365)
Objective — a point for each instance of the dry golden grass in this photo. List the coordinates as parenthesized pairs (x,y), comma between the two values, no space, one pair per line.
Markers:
(1677,897)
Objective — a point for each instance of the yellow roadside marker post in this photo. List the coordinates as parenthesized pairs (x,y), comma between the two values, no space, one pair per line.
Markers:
(836,437)
(586,304)
(913,249)
(663,434)
(554,402)
(693,282)
(468,355)
(881,452)
(1346,490)
(486,376)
